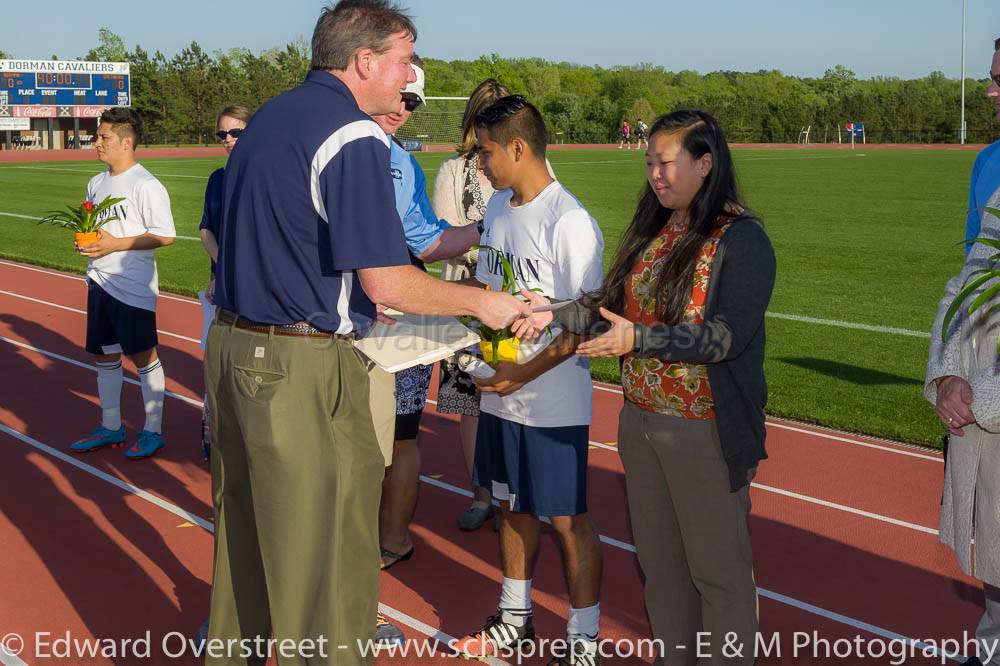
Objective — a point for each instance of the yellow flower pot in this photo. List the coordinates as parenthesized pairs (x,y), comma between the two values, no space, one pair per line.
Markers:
(506,351)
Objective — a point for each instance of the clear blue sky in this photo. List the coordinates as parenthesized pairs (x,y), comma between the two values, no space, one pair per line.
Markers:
(906,38)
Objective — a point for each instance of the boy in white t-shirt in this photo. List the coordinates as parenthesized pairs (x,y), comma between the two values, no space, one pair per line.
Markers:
(533,436)
(122,284)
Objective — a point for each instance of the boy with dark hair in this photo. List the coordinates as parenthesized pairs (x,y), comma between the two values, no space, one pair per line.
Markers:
(122,283)
(532,442)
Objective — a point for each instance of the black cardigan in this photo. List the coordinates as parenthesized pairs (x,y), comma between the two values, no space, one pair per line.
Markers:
(730,342)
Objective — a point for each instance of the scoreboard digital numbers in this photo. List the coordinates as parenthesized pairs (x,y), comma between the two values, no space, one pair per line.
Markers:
(64,83)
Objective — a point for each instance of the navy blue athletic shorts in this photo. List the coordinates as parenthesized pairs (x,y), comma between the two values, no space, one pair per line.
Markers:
(542,471)
(114,327)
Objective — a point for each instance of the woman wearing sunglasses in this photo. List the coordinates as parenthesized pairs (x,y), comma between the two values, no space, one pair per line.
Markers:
(229,124)
(685,299)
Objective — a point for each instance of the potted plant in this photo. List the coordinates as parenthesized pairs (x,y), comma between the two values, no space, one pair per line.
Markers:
(498,344)
(976,280)
(83,219)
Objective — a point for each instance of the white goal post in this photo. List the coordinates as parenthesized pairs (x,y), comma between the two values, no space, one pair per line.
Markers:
(439,121)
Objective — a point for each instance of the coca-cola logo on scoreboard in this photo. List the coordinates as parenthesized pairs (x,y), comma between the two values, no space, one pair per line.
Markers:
(34,112)
(89,111)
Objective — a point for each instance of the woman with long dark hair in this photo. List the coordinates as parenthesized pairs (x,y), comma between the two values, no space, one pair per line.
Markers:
(683,305)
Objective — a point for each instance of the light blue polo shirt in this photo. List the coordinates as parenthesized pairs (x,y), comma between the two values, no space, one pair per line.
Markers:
(983,183)
(421,227)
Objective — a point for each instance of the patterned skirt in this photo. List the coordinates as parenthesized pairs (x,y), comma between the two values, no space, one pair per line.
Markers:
(411,388)
(457,392)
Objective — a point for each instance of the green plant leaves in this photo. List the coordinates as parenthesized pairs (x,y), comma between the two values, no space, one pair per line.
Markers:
(79,219)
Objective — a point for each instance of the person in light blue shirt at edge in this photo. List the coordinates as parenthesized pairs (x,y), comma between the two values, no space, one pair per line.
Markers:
(985,177)
(428,239)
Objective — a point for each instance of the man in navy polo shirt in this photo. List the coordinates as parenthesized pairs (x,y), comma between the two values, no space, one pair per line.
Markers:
(309,241)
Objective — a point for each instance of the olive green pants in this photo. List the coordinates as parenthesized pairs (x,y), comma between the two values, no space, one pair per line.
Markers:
(296,482)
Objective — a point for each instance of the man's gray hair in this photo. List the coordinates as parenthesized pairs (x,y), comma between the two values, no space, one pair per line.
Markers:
(352,25)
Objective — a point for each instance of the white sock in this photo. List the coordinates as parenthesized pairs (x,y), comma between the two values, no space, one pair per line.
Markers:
(109,389)
(515,601)
(153,385)
(584,625)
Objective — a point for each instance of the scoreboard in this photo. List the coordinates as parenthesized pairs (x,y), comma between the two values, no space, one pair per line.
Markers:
(64,83)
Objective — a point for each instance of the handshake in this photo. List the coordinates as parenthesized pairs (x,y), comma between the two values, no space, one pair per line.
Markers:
(526,318)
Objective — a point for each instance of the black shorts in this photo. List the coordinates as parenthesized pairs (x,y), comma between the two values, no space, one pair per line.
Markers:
(114,327)
(407,426)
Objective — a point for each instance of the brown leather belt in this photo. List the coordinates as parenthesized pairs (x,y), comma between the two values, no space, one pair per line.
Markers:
(299,330)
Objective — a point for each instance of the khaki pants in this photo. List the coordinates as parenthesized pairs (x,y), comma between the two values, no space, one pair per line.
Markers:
(296,483)
(382,393)
(691,536)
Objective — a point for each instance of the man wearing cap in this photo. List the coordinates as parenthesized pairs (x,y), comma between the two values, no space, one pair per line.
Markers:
(309,241)
(427,239)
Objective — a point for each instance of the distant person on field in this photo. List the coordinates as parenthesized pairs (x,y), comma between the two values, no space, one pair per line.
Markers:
(626,134)
(122,284)
(963,382)
(641,132)
(985,177)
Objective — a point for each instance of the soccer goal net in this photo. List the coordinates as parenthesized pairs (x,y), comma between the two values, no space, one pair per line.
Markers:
(439,121)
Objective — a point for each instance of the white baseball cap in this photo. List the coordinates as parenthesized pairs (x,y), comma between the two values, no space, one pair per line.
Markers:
(417,87)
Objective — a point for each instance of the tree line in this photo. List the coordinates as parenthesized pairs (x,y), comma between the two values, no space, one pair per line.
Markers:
(179,96)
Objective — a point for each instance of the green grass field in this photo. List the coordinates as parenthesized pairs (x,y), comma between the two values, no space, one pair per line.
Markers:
(861,237)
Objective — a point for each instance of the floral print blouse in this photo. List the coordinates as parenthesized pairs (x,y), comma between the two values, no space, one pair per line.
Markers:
(677,389)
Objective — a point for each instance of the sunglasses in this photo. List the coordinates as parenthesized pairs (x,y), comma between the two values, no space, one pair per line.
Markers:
(411,103)
(235,133)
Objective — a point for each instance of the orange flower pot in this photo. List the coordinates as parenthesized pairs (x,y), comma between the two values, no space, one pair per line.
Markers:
(87,238)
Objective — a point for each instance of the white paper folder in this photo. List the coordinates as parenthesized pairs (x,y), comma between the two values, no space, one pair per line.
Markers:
(415,340)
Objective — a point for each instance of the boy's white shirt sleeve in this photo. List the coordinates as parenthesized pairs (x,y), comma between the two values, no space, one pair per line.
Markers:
(579,250)
(154,206)
(90,190)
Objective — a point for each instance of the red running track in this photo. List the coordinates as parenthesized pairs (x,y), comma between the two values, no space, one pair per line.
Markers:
(843,527)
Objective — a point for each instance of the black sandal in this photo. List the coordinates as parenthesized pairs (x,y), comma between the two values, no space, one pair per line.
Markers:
(395,557)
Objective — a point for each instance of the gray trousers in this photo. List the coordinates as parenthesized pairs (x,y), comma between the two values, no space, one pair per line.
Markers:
(692,538)
(988,631)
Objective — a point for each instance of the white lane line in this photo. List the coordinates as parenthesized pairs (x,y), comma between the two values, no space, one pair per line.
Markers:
(93,368)
(846,509)
(804,498)
(855,442)
(771,489)
(856,624)
(466,493)
(83,312)
(104,476)
(207,525)
(597,385)
(8,659)
(821,434)
(839,323)
(836,323)
(32,217)
(413,623)
(767,594)
(92,172)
